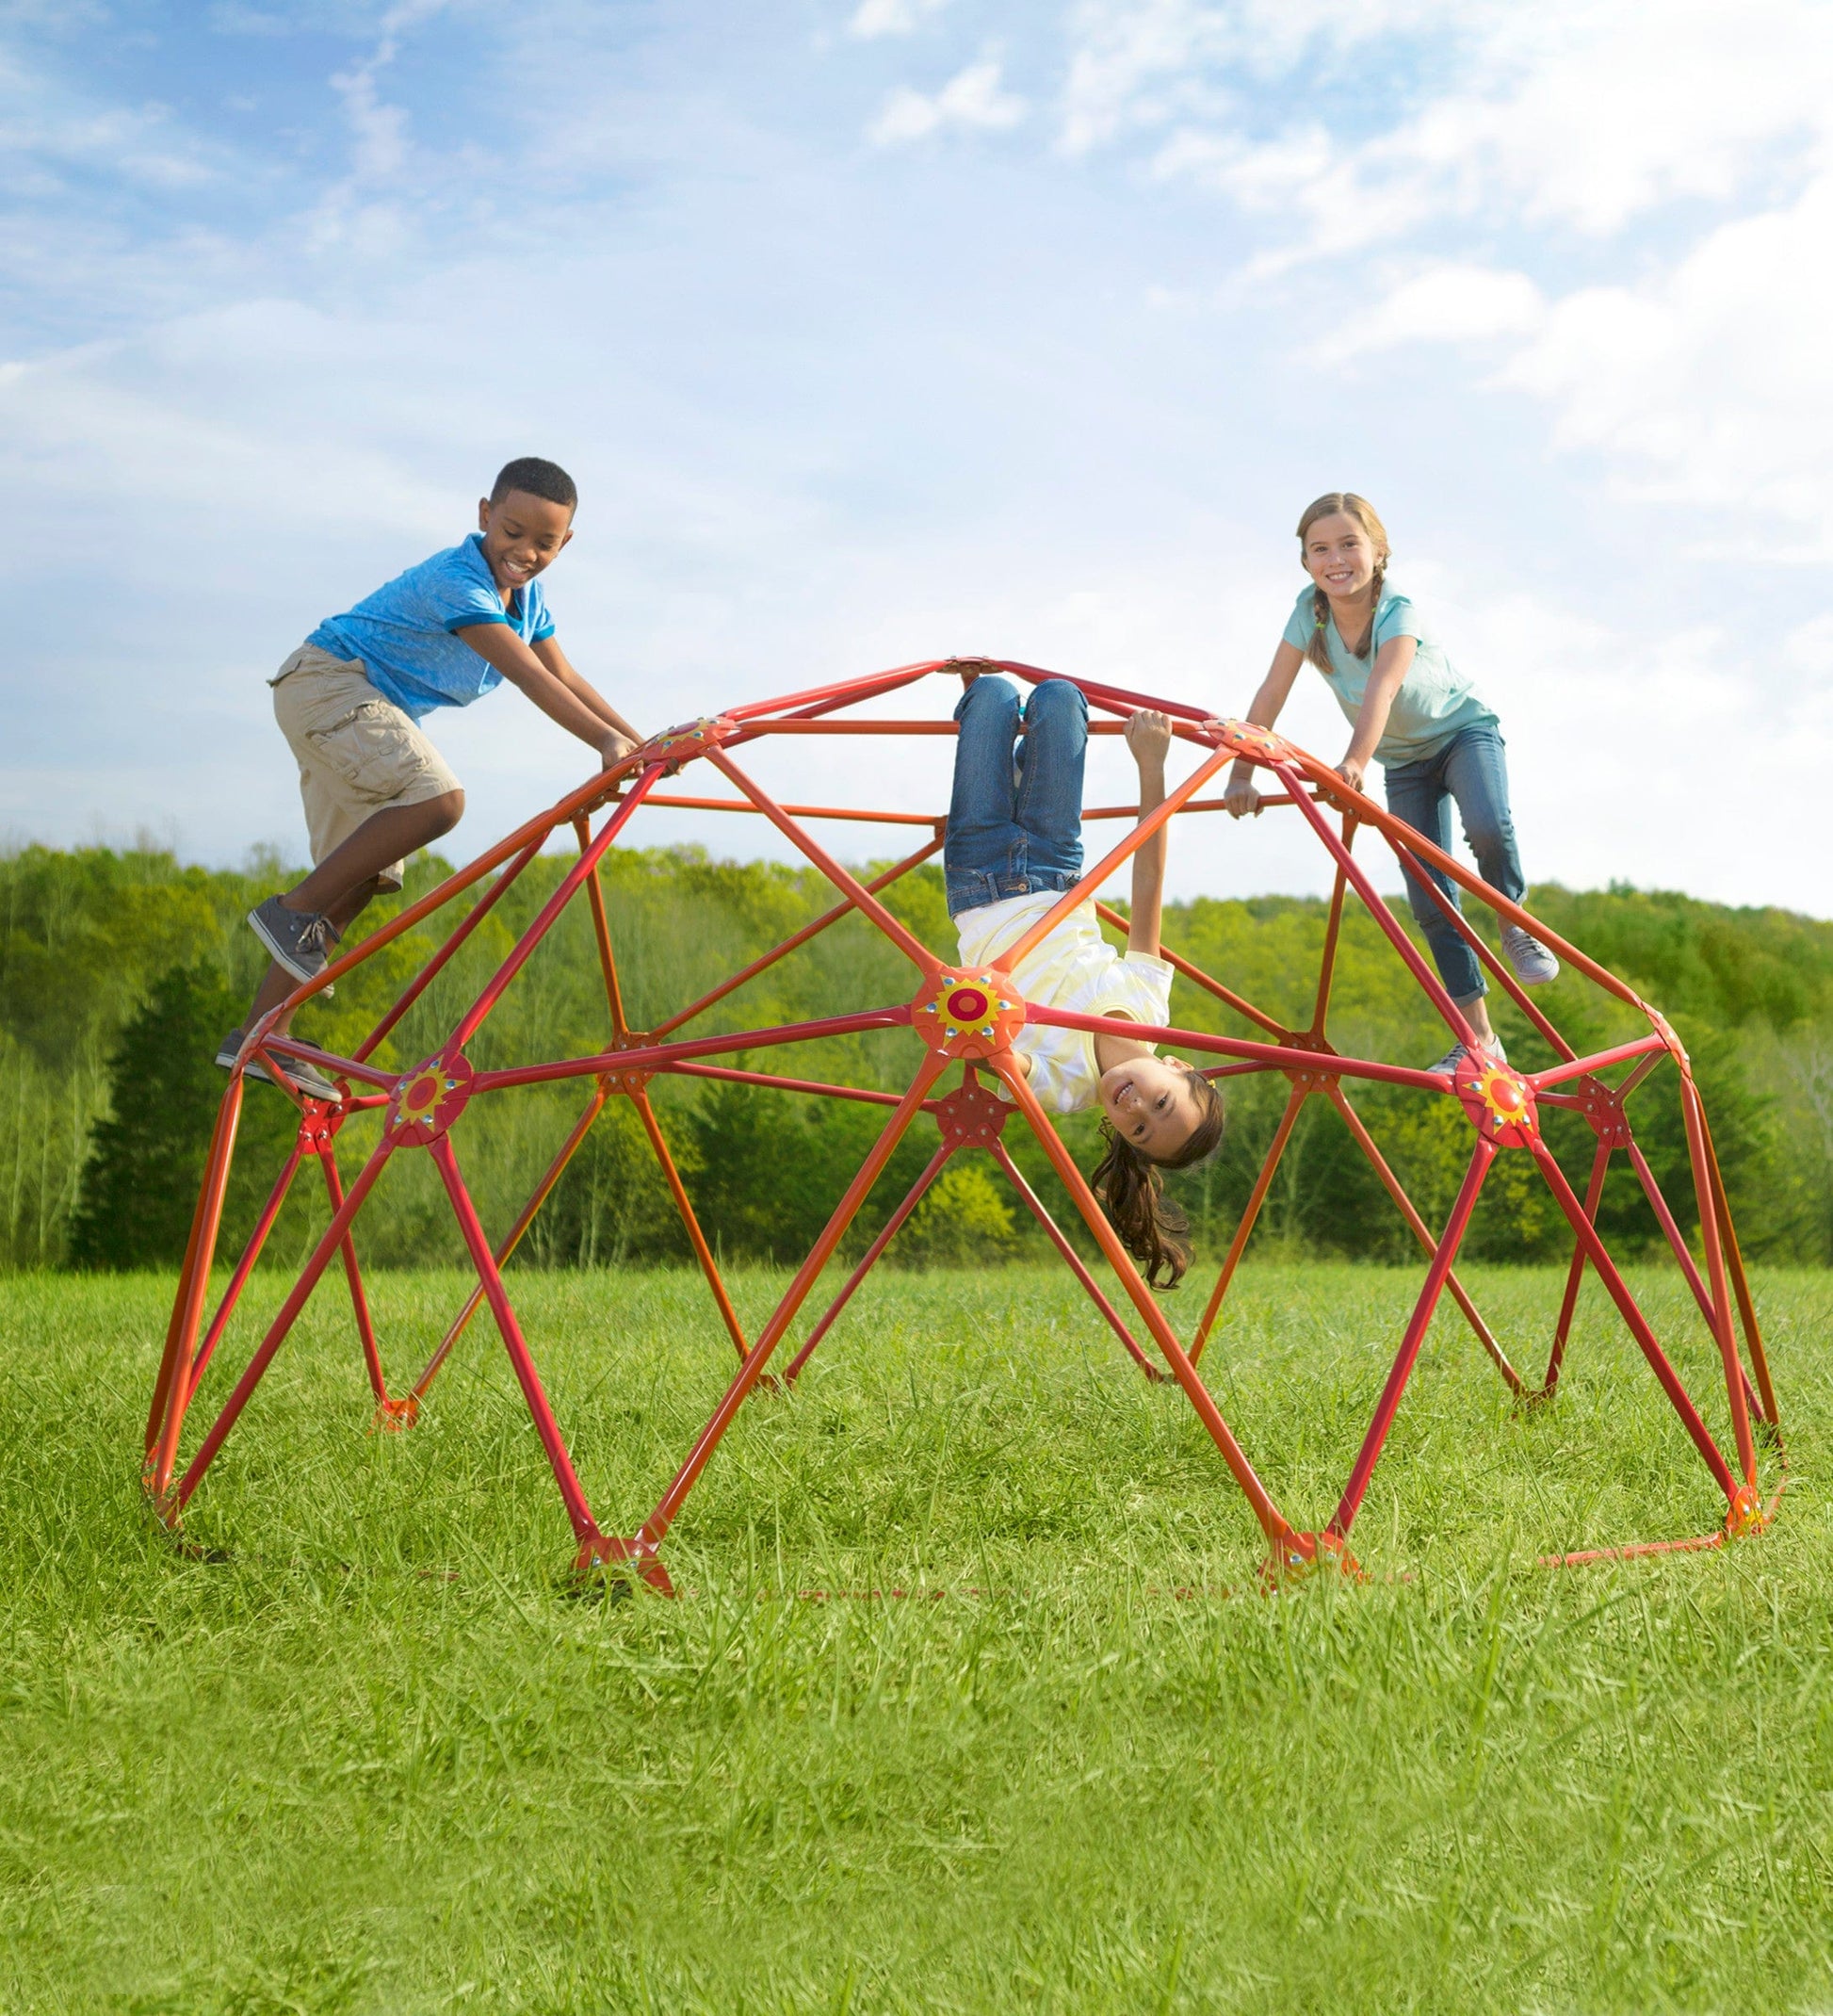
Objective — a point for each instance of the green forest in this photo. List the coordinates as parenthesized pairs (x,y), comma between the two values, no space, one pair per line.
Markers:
(121,969)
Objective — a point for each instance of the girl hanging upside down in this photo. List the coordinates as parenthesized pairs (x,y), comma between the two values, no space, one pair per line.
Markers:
(1014,845)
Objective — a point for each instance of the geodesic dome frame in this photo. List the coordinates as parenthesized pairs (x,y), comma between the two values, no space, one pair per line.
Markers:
(965,1020)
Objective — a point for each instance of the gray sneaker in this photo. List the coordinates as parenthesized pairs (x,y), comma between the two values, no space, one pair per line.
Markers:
(1449,1062)
(1534,966)
(307,1076)
(301,940)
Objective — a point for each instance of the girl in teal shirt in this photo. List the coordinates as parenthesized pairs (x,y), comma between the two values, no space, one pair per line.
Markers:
(1412,712)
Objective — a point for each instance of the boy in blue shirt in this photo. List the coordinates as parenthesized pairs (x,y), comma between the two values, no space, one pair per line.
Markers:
(350,699)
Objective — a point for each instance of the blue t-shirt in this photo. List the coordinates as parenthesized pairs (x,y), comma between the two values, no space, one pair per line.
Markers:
(1436,700)
(403,632)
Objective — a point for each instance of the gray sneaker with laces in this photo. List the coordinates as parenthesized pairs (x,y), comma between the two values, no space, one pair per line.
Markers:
(301,940)
(1534,966)
(1449,1062)
(307,1076)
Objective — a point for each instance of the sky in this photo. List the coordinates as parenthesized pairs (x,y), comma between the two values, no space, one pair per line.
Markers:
(880,330)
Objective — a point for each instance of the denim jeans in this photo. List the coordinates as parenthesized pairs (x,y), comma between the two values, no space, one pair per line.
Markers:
(1016,824)
(1471,769)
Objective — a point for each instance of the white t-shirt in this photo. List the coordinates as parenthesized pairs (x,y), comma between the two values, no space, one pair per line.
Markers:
(1075,969)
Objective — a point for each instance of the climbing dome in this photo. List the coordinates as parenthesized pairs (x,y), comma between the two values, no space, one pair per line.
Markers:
(965,1021)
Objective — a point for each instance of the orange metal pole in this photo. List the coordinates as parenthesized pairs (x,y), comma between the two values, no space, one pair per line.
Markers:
(893,1225)
(195,1282)
(849,885)
(1179,964)
(1262,1183)
(708,1266)
(1091,1287)
(1272,1523)
(365,1329)
(1327,964)
(601,926)
(657,1525)
(790,944)
(1091,884)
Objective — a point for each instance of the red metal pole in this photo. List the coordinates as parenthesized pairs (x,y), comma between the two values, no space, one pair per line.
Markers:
(443,957)
(842,693)
(1275,1056)
(1385,1408)
(668,1056)
(1574,1273)
(1455,1016)
(1724,1335)
(244,1267)
(863,1094)
(1396,831)
(1753,1337)
(366,1330)
(1415,873)
(1416,1224)
(543,1190)
(657,1525)
(1588,1067)
(577,1510)
(1639,1330)
(891,1229)
(536,829)
(1675,1238)
(290,1311)
(1091,1287)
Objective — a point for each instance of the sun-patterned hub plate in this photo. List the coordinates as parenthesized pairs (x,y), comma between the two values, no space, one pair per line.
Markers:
(676,746)
(967,1014)
(1498,1101)
(428,1101)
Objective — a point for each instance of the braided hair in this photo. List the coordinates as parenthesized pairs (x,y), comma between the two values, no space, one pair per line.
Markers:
(1346,504)
(1152,1229)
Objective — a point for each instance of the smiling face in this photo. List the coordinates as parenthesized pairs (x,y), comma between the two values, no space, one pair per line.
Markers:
(1340,556)
(523,535)
(1151,1104)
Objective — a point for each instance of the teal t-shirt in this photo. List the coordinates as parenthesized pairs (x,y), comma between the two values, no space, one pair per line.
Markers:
(1436,700)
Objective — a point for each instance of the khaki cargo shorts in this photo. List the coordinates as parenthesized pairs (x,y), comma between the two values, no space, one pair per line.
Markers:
(357,752)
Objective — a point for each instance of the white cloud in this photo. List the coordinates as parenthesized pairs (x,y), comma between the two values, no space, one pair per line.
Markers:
(1582,113)
(1708,385)
(1443,304)
(873,17)
(973,99)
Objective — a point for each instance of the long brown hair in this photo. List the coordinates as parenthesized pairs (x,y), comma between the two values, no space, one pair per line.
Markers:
(1343,503)
(1152,1229)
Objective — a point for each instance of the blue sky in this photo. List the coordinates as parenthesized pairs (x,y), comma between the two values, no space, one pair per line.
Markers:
(889,328)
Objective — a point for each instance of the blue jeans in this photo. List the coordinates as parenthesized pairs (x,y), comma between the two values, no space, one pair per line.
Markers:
(1471,769)
(1016,824)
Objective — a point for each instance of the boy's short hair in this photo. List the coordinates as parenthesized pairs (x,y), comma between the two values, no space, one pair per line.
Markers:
(535,478)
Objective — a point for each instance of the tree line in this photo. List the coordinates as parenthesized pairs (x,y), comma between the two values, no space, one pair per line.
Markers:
(120,969)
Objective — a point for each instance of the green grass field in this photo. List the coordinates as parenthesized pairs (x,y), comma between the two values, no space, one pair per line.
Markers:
(381,1758)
